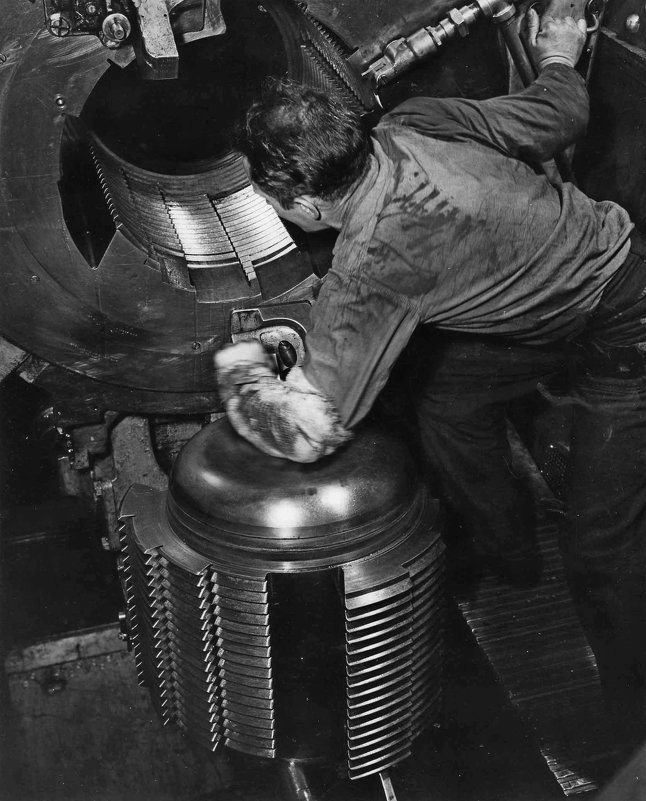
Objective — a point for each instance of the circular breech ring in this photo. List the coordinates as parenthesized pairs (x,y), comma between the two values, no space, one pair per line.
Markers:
(129,232)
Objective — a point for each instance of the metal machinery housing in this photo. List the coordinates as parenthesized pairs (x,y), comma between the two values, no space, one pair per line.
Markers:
(290,611)
(133,248)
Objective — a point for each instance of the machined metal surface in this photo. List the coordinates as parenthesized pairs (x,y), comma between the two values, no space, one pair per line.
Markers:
(534,643)
(311,635)
(226,497)
(125,268)
(404,52)
(123,256)
(212,224)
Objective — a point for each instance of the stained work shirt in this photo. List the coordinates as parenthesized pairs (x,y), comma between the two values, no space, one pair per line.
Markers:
(453,225)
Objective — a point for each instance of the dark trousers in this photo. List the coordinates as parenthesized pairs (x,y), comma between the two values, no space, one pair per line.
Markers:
(462,403)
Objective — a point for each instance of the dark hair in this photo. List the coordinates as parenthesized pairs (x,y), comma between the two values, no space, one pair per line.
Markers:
(300,140)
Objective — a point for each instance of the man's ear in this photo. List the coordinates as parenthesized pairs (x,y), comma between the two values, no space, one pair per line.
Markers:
(309,205)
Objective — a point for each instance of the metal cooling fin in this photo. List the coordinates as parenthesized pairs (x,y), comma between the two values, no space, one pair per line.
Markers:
(320,642)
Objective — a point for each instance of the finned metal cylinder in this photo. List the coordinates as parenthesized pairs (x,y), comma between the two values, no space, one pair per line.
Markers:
(290,611)
(210,224)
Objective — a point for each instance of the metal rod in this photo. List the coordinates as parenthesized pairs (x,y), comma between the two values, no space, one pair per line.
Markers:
(387,785)
(517,50)
(296,781)
(406,52)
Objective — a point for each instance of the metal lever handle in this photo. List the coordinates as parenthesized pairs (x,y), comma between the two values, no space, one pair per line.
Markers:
(387,785)
(403,53)
(286,357)
(594,11)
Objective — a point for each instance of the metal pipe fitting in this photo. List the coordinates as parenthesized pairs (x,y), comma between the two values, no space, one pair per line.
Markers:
(406,52)
(509,30)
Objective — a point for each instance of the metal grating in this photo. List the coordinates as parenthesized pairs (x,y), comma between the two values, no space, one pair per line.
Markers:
(379,665)
(429,599)
(171,614)
(244,663)
(325,63)
(221,237)
(203,639)
(190,638)
(535,645)
(250,223)
(394,656)
(128,585)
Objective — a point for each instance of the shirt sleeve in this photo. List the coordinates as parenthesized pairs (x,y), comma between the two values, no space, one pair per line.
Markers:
(359,329)
(533,125)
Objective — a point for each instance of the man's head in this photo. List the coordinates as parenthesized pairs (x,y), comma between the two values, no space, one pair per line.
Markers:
(303,146)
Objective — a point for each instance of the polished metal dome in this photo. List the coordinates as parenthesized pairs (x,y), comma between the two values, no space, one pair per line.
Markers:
(289,611)
(227,497)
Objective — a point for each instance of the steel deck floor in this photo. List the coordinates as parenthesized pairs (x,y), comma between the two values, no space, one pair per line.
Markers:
(77,727)
(537,650)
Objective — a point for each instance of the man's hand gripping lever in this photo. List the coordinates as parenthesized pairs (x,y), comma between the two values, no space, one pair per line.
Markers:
(242,363)
(289,418)
(555,37)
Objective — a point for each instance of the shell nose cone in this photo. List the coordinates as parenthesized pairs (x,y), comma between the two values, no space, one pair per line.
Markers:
(223,481)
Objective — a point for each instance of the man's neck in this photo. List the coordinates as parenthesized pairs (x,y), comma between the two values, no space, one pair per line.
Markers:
(334,213)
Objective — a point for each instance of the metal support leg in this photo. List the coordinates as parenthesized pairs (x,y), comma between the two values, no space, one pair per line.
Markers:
(387,786)
(514,44)
(296,781)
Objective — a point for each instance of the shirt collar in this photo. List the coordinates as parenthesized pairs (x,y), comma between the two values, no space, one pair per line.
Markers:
(359,190)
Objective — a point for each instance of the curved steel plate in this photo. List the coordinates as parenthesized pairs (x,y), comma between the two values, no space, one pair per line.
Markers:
(118,321)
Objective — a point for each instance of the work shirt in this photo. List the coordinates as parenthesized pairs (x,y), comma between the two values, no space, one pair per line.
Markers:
(453,225)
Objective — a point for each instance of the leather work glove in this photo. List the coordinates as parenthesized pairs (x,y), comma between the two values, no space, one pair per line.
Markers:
(555,37)
(249,351)
(242,363)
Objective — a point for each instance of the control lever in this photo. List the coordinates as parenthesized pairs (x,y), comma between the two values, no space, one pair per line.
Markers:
(387,785)
(593,13)
(286,357)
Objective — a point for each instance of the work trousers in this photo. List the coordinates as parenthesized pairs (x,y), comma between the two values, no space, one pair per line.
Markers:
(462,401)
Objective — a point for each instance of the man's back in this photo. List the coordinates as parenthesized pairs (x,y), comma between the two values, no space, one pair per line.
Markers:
(456,215)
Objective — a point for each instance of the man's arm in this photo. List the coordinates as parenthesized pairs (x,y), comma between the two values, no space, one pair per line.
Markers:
(357,333)
(533,124)
(290,418)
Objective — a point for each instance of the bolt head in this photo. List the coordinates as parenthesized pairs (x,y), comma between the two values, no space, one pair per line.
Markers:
(633,23)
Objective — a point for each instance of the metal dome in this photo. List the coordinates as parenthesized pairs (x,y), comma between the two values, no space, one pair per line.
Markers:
(226,496)
(289,611)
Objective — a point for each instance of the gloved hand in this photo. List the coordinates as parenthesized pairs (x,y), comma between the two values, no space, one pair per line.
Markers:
(240,364)
(555,37)
(247,352)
